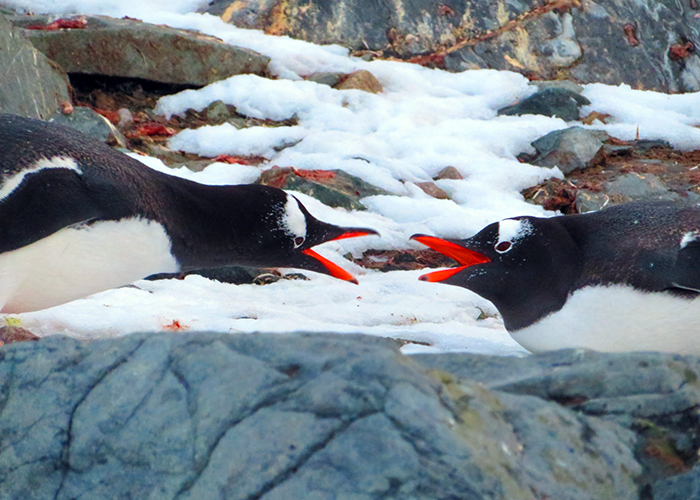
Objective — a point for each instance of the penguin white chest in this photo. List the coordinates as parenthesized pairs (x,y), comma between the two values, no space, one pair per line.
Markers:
(81,260)
(618,318)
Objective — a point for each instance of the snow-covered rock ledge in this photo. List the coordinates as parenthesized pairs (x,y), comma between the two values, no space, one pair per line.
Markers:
(300,416)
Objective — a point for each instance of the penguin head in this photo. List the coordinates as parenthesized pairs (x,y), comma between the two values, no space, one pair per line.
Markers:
(524,265)
(280,232)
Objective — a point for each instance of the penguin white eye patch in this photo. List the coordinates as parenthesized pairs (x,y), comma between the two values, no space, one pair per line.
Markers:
(510,231)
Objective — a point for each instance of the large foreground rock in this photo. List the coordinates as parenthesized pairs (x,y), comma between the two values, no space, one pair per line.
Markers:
(29,84)
(130,48)
(208,416)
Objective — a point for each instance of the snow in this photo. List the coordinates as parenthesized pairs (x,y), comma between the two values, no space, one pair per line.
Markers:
(425,120)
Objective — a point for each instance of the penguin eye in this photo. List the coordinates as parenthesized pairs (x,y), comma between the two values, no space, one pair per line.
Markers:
(503,246)
(298,241)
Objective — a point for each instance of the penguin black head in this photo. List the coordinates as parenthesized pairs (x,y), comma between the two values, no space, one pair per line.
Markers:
(301,231)
(265,227)
(524,265)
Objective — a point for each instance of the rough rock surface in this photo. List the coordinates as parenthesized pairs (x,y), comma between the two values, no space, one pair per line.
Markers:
(44,87)
(335,188)
(655,395)
(91,123)
(648,45)
(134,49)
(211,416)
(570,149)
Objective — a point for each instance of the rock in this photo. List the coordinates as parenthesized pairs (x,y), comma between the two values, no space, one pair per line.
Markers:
(133,49)
(605,41)
(91,123)
(401,27)
(682,487)
(360,80)
(635,186)
(569,149)
(218,112)
(448,173)
(431,189)
(326,78)
(552,101)
(656,395)
(207,416)
(645,45)
(335,188)
(30,84)
(590,201)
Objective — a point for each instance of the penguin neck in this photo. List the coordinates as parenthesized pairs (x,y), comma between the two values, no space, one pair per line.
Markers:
(209,226)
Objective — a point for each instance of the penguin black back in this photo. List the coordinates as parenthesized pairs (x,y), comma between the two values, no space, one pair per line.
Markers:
(77,198)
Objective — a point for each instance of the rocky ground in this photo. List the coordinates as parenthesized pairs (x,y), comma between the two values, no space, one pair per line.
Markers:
(315,416)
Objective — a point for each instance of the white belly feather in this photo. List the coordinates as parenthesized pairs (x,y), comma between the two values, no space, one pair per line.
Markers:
(618,318)
(81,260)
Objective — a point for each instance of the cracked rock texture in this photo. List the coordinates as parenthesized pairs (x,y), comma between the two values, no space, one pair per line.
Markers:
(649,45)
(216,416)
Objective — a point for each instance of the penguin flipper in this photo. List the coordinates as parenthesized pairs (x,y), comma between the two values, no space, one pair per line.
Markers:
(44,203)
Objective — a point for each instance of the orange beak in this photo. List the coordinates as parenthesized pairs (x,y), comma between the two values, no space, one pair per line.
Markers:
(462,255)
(333,269)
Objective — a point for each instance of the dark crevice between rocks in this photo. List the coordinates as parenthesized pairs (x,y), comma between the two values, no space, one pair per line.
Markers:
(64,462)
(131,93)
(303,459)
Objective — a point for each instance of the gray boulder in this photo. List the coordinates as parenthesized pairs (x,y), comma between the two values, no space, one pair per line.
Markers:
(133,49)
(211,416)
(570,149)
(30,85)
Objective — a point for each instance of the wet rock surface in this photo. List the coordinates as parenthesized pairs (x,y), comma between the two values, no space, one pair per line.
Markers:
(320,416)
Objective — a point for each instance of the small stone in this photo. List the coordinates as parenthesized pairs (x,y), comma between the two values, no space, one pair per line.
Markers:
(448,173)
(326,78)
(217,112)
(590,201)
(361,80)
(562,103)
(569,149)
(91,123)
(431,189)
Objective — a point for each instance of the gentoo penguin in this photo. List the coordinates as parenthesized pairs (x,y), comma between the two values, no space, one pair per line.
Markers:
(626,278)
(78,217)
